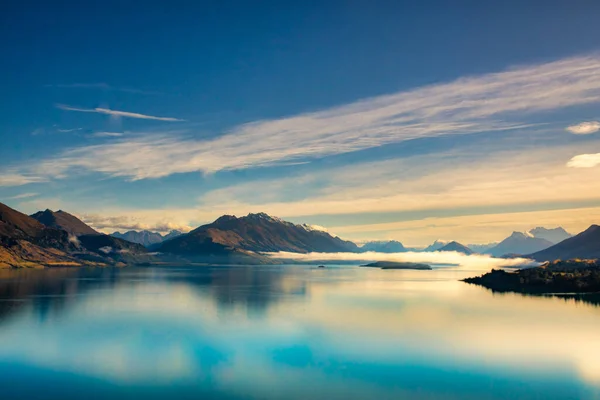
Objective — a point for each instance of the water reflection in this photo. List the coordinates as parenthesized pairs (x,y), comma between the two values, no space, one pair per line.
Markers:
(288,332)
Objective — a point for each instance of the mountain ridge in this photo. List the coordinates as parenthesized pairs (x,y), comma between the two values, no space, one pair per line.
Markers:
(258,232)
(584,245)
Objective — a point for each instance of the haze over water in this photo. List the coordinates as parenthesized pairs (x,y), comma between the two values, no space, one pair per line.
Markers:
(293,332)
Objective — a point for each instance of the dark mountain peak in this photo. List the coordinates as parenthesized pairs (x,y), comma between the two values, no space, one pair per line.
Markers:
(593,228)
(225,218)
(455,246)
(65,221)
(262,216)
(519,235)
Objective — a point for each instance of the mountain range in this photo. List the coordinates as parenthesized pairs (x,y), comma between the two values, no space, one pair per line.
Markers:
(28,242)
(146,238)
(255,233)
(519,243)
(585,245)
(50,238)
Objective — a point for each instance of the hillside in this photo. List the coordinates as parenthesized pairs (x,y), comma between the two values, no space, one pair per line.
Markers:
(25,242)
(65,221)
(585,245)
(255,233)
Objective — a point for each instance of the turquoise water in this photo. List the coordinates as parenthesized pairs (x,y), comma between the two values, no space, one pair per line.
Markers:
(292,332)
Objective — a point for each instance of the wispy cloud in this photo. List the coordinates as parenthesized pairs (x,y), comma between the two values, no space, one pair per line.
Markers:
(105,134)
(584,128)
(488,103)
(102,86)
(68,130)
(23,196)
(54,129)
(12,178)
(584,161)
(116,113)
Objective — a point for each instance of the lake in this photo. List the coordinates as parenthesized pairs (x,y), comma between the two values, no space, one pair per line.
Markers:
(293,332)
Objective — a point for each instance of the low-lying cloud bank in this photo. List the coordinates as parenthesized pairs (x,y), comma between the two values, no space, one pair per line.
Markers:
(478,261)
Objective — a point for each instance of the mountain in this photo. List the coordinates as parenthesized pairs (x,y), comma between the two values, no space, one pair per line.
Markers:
(519,243)
(438,244)
(389,246)
(173,234)
(481,248)
(114,249)
(25,242)
(230,235)
(585,245)
(146,238)
(455,246)
(555,235)
(65,221)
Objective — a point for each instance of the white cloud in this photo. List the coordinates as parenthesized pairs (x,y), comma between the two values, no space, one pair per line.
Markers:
(492,102)
(110,224)
(23,196)
(106,134)
(584,128)
(68,130)
(12,178)
(116,113)
(584,161)
(478,261)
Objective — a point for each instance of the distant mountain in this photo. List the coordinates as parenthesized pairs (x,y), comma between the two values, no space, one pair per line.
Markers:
(65,221)
(585,245)
(145,238)
(519,243)
(455,246)
(555,235)
(481,248)
(230,235)
(386,246)
(173,234)
(438,244)
(116,249)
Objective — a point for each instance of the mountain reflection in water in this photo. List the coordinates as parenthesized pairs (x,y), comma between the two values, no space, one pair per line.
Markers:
(291,332)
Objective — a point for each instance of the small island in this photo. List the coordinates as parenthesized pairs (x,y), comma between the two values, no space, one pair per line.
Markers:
(397,265)
(557,277)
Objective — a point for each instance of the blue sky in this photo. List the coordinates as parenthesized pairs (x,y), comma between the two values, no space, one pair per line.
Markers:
(404,120)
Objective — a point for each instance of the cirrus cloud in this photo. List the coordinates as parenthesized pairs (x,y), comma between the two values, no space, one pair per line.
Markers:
(116,113)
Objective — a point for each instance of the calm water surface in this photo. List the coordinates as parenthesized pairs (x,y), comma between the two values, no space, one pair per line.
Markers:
(291,332)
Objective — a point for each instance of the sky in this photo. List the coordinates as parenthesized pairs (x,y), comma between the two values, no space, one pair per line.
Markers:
(412,121)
